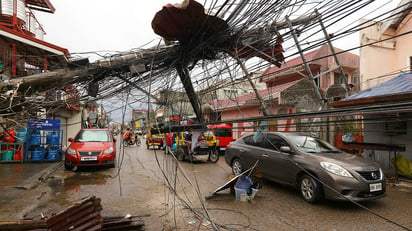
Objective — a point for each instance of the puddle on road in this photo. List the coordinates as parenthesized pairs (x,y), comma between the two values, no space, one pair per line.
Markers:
(76,181)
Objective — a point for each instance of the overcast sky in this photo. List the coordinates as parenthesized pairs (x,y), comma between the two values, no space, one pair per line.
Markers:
(100,25)
(107,25)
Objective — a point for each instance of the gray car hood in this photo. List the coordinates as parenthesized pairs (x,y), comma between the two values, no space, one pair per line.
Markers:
(345,159)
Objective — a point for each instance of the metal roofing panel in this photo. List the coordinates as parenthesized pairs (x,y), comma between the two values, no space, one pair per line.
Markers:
(42,5)
(399,85)
(397,15)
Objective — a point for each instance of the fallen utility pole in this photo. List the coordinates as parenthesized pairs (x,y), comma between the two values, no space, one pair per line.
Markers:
(48,80)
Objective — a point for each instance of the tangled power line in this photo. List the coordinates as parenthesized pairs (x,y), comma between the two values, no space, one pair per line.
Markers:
(254,23)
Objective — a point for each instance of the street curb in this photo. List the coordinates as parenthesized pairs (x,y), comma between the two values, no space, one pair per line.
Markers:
(42,176)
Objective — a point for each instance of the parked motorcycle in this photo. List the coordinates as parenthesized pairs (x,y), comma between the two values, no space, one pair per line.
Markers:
(133,140)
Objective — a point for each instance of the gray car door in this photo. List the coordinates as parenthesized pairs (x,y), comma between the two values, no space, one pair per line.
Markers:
(251,150)
(275,165)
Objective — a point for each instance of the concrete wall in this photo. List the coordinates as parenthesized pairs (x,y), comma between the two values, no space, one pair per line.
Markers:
(348,61)
(375,133)
(73,125)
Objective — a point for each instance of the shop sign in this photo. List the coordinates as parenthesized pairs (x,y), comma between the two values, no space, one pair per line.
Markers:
(43,124)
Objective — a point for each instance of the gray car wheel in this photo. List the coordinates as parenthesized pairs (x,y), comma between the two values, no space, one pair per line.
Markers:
(310,189)
(237,168)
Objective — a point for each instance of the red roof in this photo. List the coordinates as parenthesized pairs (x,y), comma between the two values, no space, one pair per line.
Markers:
(40,44)
(291,63)
(250,99)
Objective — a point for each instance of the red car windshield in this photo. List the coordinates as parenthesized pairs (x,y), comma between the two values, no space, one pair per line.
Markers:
(93,136)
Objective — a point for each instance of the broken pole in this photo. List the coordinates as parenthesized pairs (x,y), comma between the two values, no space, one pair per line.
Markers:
(295,38)
(265,110)
(333,51)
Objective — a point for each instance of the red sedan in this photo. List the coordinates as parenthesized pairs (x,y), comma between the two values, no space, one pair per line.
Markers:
(91,147)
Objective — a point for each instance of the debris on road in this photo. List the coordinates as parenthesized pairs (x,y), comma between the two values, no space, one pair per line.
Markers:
(84,215)
(253,173)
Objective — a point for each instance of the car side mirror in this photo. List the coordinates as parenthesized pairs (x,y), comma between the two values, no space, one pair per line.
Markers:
(286,149)
(114,139)
(70,139)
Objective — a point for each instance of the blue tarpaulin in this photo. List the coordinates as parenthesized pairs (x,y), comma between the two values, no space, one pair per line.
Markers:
(399,85)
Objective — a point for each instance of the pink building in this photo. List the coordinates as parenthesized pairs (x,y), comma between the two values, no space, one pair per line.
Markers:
(289,90)
(280,99)
(323,67)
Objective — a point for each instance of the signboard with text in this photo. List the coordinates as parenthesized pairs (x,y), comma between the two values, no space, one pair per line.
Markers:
(43,124)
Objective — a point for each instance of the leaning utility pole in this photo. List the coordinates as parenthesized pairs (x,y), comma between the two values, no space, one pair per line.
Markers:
(265,110)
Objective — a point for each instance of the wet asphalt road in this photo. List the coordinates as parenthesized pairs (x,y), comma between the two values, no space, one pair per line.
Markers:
(142,186)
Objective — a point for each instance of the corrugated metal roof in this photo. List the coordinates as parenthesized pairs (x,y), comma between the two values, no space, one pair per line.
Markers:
(399,85)
(397,15)
(42,5)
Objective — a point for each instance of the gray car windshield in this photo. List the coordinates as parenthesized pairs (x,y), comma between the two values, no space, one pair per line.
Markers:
(312,145)
(92,136)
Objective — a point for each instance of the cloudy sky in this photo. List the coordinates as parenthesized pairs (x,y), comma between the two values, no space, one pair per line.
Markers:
(103,25)
(100,25)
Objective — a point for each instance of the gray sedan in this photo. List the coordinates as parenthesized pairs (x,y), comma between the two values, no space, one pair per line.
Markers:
(316,168)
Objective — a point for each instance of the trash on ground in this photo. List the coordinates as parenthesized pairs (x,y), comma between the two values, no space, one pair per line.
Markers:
(206,223)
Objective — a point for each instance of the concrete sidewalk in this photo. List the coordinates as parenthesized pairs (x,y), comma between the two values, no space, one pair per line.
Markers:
(26,175)
(42,175)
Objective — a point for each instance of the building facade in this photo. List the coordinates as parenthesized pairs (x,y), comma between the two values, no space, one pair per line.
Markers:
(386,81)
(386,49)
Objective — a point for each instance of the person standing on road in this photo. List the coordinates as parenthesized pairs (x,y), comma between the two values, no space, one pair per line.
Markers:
(169,142)
(188,141)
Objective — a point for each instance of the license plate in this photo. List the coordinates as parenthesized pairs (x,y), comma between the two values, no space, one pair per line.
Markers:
(375,187)
(222,149)
(86,158)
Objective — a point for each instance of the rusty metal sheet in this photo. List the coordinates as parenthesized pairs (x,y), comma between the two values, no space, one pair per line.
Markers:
(84,215)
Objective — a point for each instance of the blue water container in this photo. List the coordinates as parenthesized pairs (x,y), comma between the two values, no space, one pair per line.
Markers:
(52,138)
(35,138)
(244,182)
(53,154)
(38,154)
